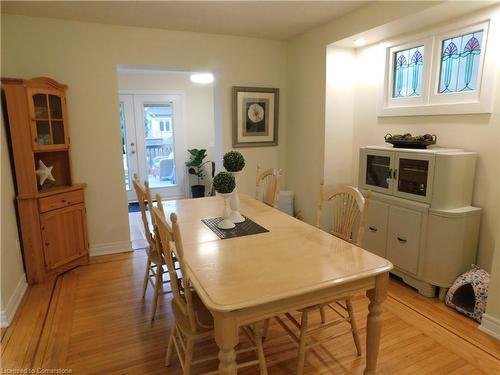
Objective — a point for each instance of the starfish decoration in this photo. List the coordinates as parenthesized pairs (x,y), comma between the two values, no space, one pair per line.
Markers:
(44,173)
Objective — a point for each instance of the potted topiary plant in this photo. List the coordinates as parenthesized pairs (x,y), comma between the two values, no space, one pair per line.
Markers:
(224,184)
(234,162)
(195,164)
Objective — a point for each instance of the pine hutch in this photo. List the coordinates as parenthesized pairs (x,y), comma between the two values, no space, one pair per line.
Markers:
(52,215)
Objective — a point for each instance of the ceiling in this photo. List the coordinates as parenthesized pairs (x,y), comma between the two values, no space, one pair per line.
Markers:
(279,20)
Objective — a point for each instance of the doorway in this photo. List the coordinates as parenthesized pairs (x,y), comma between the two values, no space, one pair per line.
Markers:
(163,113)
(153,142)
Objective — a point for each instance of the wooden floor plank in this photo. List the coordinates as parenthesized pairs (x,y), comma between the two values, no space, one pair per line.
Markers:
(445,316)
(55,339)
(20,344)
(97,323)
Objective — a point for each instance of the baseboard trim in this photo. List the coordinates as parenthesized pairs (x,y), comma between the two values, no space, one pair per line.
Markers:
(110,248)
(7,315)
(491,326)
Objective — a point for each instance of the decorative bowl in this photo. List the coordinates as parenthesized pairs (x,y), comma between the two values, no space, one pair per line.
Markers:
(409,141)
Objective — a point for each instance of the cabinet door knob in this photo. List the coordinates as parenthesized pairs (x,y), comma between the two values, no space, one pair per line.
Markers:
(402,240)
(373,229)
(47,244)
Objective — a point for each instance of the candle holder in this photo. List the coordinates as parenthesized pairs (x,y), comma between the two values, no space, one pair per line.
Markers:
(226,223)
(235,215)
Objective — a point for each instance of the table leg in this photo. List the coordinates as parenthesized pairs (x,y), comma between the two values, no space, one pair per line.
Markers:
(226,337)
(374,321)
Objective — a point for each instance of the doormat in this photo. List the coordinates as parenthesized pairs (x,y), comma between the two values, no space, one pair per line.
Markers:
(248,227)
(134,207)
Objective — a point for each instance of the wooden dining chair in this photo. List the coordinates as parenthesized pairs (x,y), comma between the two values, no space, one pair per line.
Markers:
(154,274)
(268,185)
(193,322)
(349,209)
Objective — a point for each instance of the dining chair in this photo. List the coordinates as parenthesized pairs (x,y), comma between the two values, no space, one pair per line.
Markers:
(193,322)
(268,185)
(154,273)
(349,210)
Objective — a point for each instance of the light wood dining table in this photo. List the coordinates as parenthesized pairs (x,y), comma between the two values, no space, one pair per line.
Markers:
(247,279)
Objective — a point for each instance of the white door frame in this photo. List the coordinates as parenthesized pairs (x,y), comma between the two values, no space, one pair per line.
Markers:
(177,99)
(130,141)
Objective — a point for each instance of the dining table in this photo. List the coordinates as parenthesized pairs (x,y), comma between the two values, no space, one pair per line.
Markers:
(247,279)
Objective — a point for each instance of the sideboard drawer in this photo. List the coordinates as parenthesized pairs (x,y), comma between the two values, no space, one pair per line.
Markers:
(403,238)
(60,200)
(375,239)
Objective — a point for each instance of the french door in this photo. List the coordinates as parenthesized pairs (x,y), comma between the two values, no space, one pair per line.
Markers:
(153,144)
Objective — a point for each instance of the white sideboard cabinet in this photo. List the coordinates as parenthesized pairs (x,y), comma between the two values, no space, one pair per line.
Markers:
(420,215)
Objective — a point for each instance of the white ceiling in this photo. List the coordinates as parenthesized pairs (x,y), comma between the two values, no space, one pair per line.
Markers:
(263,19)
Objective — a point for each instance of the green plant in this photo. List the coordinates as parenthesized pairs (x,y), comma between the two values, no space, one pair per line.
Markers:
(196,163)
(224,182)
(233,161)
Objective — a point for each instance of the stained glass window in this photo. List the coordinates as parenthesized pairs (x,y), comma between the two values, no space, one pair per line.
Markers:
(407,74)
(460,57)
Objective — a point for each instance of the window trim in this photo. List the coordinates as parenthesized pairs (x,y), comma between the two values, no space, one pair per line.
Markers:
(388,92)
(477,101)
(458,97)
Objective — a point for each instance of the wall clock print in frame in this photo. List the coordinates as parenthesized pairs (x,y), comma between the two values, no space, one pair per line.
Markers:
(255,116)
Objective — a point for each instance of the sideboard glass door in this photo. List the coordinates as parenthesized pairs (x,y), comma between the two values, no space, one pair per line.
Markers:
(377,170)
(414,174)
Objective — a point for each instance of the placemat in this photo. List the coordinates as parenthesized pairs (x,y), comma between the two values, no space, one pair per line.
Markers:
(246,228)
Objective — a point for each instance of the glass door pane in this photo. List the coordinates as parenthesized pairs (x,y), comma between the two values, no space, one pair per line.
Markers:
(55,105)
(378,171)
(57,132)
(124,146)
(159,144)
(413,176)
(41,107)
(43,132)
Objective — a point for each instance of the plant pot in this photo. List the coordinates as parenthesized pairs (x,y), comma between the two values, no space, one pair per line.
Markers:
(235,216)
(198,191)
(226,223)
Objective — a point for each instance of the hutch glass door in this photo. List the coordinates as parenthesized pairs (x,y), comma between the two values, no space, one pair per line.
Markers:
(376,172)
(414,176)
(49,128)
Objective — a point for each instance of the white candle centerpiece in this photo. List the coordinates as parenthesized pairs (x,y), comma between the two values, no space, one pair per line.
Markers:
(234,163)
(224,184)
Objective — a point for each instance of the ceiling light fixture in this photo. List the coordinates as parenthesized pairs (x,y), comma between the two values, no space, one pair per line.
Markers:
(359,42)
(202,78)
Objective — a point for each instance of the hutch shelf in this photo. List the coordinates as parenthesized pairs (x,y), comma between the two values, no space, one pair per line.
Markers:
(52,214)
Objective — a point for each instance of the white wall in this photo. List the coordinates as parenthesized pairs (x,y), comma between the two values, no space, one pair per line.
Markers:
(473,132)
(339,115)
(306,66)
(199,119)
(491,320)
(11,263)
(85,56)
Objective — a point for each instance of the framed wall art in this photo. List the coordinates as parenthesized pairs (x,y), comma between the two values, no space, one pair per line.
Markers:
(255,116)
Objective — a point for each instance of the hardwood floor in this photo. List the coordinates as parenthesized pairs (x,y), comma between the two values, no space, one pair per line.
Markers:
(92,320)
